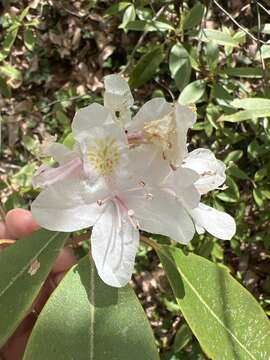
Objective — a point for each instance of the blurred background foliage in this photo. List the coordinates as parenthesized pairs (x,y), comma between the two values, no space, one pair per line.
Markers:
(214,54)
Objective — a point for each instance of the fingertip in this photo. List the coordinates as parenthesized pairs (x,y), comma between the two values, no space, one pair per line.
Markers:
(20,223)
(4,234)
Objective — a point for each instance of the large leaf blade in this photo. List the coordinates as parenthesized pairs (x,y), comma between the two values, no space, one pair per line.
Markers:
(146,67)
(19,285)
(86,319)
(223,315)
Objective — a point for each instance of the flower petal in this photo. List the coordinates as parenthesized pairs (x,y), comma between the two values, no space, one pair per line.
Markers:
(217,223)
(60,152)
(152,110)
(159,212)
(87,118)
(114,243)
(118,97)
(68,206)
(47,175)
(211,170)
(181,182)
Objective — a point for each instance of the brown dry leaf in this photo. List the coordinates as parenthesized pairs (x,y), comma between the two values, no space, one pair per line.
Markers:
(55,38)
(105,53)
(24,106)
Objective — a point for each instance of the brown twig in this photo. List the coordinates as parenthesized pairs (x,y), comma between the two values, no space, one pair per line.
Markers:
(237,23)
(158,14)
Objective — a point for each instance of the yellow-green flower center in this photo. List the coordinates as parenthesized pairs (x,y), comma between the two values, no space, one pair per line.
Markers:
(104,154)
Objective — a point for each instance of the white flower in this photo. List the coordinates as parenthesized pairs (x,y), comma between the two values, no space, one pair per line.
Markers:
(212,175)
(211,170)
(157,122)
(118,98)
(118,192)
(70,165)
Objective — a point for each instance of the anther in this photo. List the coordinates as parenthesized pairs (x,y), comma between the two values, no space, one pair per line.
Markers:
(149,196)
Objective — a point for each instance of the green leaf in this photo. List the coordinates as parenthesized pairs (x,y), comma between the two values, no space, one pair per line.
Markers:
(234,171)
(245,115)
(23,178)
(10,72)
(234,155)
(29,39)
(146,67)
(212,55)
(129,15)
(265,52)
(24,267)
(8,43)
(247,72)
(223,315)
(87,319)
(180,67)
(148,25)
(69,141)
(258,197)
(192,93)
(231,194)
(221,38)
(116,8)
(182,338)
(193,17)
(5,90)
(251,103)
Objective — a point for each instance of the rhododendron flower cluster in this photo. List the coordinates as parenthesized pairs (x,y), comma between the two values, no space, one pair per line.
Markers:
(126,174)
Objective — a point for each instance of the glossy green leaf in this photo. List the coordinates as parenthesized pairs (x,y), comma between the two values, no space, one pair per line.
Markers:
(11,72)
(251,103)
(129,15)
(234,155)
(220,37)
(223,315)
(245,115)
(86,319)
(32,259)
(180,66)
(116,8)
(212,54)
(182,338)
(29,39)
(146,67)
(8,43)
(231,194)
(5,90)
(192,93)
(193,17)
(246,72)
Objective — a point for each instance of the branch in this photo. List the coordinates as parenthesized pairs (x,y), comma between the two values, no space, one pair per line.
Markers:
(237,23)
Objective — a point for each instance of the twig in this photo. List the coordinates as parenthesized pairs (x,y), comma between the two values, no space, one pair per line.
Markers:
(149,242)
(161,10)
(237,23)
(2,211)
(259,45)
(167,89)
(261,6)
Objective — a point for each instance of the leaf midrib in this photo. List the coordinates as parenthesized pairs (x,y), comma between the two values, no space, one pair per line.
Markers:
(214,315)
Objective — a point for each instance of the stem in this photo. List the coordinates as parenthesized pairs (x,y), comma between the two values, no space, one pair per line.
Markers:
(237,23)
(149,242)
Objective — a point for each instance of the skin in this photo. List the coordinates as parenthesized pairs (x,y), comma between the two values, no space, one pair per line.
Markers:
(18,224)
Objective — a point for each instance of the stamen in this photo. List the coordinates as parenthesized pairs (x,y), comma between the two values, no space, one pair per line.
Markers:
(149,196)
(209,173)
